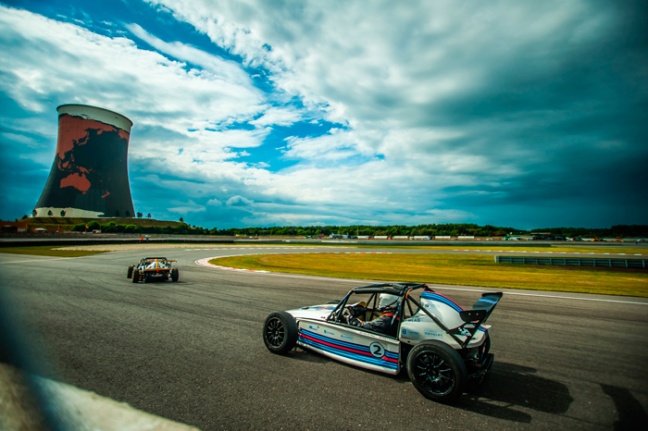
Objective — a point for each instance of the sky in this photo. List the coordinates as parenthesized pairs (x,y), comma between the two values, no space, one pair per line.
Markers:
(306,113)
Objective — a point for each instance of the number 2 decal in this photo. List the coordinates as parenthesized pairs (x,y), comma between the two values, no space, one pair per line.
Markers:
(377,349)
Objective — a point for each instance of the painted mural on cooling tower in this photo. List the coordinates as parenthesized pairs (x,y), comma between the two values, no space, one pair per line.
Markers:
(90,170)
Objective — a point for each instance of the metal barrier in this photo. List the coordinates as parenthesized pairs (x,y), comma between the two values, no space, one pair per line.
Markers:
(592,262)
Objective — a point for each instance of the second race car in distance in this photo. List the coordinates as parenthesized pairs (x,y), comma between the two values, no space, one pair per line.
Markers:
(153,269)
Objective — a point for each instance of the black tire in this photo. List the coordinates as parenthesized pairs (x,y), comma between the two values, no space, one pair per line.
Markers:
(175,274)
(280,332)
(135,275)
(437,371)
(130,272)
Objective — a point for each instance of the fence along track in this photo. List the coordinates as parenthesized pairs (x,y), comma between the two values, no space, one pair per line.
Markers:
(590,262)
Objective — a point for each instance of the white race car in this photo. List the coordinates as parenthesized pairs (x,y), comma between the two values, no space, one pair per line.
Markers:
(395,326)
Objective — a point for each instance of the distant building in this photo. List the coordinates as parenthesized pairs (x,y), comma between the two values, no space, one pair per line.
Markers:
(13,227)
(89,176)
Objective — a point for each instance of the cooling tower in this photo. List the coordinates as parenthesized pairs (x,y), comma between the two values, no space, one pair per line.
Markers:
(89,177)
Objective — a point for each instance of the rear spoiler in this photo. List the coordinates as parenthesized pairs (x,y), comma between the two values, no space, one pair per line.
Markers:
(474,318)
(482,309)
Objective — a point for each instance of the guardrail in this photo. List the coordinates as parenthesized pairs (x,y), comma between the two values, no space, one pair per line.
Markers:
(592,262)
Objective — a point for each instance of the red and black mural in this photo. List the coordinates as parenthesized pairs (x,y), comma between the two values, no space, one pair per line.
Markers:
(90,170)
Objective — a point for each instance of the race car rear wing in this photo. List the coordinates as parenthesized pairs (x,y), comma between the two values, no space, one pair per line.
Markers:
(474,318)
(482,309)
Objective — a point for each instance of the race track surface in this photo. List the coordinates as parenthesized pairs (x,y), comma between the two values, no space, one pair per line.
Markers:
(192,351)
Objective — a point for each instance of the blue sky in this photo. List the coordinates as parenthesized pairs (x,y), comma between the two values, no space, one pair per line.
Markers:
(257,113)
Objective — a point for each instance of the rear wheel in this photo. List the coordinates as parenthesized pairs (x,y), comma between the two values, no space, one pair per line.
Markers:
(280,332)
(135,276)
(437,371)
(130,272)
(175,274)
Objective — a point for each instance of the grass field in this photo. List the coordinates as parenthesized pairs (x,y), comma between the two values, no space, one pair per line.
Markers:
(48,250)
(453,269)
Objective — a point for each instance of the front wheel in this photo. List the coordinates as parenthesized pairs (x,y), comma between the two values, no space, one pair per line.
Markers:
(280,332)
(437,371)
(129,274)
(135,276)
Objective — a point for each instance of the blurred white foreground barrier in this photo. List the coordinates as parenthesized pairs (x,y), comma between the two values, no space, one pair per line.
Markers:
(70,407)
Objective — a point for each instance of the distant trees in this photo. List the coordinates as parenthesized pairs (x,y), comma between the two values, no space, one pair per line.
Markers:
(130,228)
(431,230)
(629,230)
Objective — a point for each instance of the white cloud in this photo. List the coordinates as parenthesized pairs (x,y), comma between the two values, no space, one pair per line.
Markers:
(226,71)
(180,207)
(113,73)
(277,116)
(238,201)
(334,146)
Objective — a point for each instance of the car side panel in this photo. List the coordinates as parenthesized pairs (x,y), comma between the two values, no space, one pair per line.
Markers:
(350,346)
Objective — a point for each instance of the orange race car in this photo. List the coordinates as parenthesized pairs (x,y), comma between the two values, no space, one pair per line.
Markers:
(153,269)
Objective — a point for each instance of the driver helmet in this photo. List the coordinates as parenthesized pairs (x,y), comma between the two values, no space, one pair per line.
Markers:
(388,300)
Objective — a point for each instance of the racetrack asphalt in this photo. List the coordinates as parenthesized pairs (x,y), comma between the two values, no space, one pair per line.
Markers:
(192,351)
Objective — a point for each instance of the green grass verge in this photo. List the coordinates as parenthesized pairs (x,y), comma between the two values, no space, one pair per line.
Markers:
(453,269)
(47,250)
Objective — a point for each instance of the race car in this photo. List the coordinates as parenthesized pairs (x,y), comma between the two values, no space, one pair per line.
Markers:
(153,269)
(442,346)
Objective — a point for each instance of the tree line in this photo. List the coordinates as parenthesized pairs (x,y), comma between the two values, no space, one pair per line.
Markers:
(431,230)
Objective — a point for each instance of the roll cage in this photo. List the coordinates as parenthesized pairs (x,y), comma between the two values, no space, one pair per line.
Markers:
(148,259)
(410,304)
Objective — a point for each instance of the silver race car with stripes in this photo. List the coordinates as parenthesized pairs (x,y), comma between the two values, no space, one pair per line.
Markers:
(395,326)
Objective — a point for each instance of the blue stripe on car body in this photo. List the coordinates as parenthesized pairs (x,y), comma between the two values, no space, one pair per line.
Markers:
(362,353)
(440,298)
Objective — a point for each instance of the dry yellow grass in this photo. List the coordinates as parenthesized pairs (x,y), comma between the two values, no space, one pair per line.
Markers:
(464,269)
